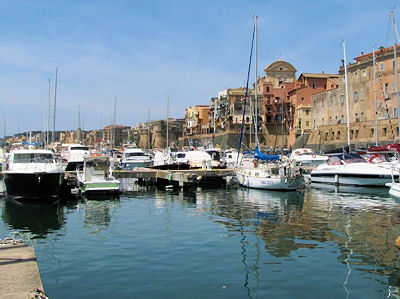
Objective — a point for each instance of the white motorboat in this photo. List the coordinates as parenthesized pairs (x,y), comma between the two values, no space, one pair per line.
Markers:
(2,167)
(96,178)
(231,158)
(33,173)
(351,169)
(307,158)
(135,157)
(73,155)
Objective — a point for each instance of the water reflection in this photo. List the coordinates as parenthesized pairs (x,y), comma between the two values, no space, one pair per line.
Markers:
(98,214)
(36,219)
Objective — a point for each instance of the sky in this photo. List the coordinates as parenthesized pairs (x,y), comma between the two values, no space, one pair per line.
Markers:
(142,51)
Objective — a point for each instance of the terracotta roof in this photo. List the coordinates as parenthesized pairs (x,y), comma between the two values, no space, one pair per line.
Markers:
(318,75)
(364,57)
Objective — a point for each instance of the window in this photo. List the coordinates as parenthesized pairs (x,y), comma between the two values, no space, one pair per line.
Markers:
(395,112)
(314,86)
(341,99)
(351,134)
(387,114)
(322,121)
(362,116)
(307,123)
(326,136)
(356,133)
(356,117)
(314,124)
(342,119)
(382,66)
(355,74)
(372,132)
(355,95)
(364,73)
(338,135)
(336,119)
(307,112)
(384,131)
(267,88)
(330,120)
(302,99)
(386,89)
(333,135)
(322,103)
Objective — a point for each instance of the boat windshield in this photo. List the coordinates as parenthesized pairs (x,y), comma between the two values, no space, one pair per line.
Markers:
(181,155)
(347,158)
(79,148)
(33,158)
(134,155)
(353,159)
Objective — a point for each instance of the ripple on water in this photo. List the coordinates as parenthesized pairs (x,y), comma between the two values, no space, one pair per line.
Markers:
(215,243)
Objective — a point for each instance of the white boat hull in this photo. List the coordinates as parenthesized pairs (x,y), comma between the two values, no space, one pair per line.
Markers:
(395,190)
(278,183)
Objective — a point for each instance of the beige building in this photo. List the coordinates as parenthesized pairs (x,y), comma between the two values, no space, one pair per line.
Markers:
(329,110)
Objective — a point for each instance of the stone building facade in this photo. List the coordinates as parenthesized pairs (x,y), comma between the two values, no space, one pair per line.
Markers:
(329,109)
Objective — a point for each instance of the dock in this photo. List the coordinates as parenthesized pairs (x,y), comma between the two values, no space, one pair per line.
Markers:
(181,178)
(19,272)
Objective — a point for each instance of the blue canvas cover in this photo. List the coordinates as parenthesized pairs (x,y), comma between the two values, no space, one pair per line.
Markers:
(259,155)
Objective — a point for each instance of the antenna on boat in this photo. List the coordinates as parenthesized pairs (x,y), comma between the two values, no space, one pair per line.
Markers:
(148,131)
(48,119)
(54,110)
(347,94)
(396,79)
(167,120)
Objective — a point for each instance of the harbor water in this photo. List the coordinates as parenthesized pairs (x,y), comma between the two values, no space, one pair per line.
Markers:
(216,243)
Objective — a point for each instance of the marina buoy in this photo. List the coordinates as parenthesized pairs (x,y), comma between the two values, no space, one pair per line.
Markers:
(397,243)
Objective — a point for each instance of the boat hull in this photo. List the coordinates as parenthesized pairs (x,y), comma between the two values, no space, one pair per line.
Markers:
(33,185)
(99,188)
(395,190)
(367,180)
(281,183)
(125,165)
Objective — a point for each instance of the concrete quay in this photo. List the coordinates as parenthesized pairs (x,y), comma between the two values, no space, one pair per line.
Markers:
(19,272)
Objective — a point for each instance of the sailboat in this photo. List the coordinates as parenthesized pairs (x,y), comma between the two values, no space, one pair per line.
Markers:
(261,171)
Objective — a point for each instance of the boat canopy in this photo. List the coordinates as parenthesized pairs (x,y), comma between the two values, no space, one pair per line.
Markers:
(260,156)
(394,147)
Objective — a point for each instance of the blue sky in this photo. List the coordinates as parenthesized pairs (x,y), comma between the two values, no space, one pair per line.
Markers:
(142,50)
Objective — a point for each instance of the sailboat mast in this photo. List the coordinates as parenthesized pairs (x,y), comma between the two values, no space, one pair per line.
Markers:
(347,95)
(376,97)
(255,86)
(148,131)
(396,78)
(114,121)
(79,124)
(167,119)
(54,110)
(48,119)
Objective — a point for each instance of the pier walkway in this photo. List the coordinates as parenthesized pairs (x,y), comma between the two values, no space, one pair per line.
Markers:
(19,272)
(181,177)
